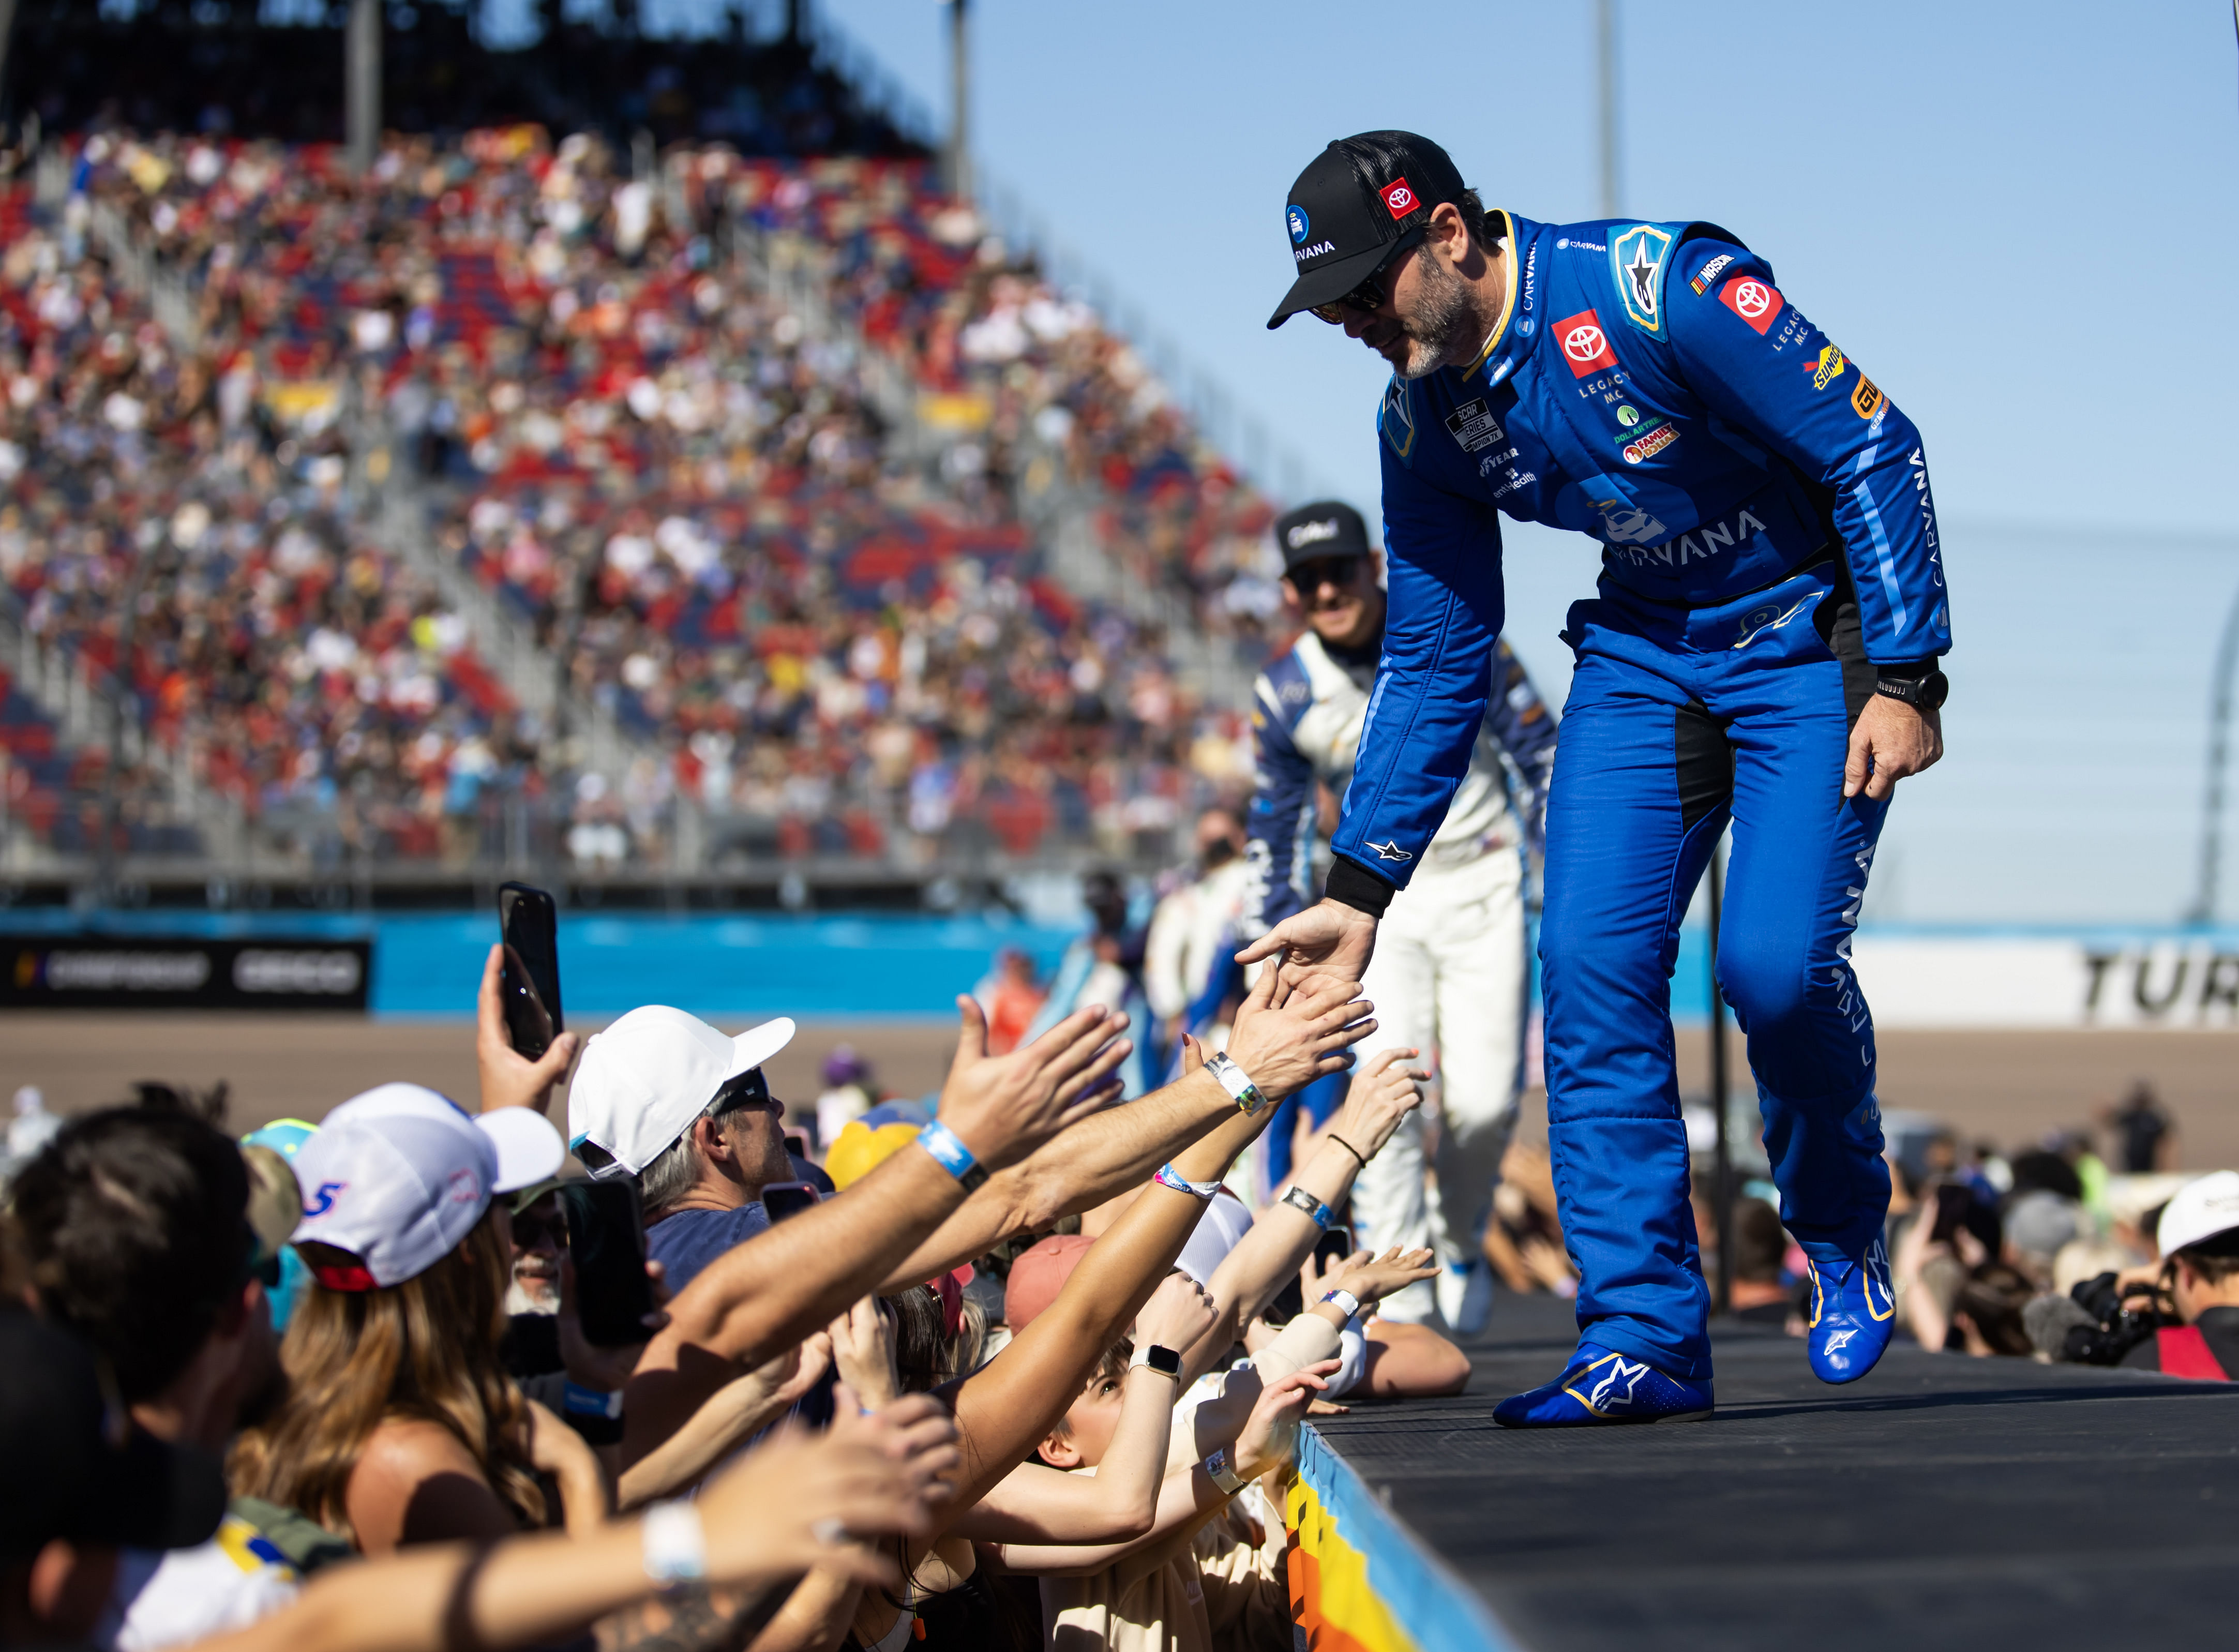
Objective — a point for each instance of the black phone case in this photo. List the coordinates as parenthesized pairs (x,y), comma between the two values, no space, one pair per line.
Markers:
(528,924)
(605,1238)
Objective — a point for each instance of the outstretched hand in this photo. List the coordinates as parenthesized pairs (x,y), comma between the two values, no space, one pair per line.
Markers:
(1003,1107)
(799,1502)
(510,1078)
(1288,1032)
(1270,1433)
(1369,1278)
(1384,1091)
(1328,938)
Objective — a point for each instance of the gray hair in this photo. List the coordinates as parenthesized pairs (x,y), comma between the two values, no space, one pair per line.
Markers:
(674,1172)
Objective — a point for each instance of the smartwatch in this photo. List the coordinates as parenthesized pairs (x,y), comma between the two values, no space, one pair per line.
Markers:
(1163,1361)
(1345,1300)
(1924,693)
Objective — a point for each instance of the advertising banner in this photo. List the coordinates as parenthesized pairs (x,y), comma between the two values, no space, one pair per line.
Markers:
(2169,981)
(183,972)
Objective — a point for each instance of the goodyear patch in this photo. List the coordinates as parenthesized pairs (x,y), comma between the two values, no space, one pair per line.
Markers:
(1637,258)
(1397,420)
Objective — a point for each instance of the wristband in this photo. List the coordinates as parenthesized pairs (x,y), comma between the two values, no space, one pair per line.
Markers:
(676,1545)
(1345,1300)
(1237,1081)
(1169,1177)
(1350,1148)
(949,1152)
(1224,1474)
(1163,1361)
(592,1402)
(1299,1199)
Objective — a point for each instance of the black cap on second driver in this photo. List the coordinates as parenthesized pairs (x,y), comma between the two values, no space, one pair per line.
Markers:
(1361,194)
(1328,527)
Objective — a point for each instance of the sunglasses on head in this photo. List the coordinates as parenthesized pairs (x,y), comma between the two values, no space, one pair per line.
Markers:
(1369,295)
(749,1088)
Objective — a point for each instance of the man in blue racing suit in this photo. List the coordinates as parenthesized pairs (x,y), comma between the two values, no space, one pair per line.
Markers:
(1763,650)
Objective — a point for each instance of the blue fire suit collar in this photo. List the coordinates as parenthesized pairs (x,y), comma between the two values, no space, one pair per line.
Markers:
(1519,318)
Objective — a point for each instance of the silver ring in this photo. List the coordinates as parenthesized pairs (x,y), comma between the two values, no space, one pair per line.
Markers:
(828,1530)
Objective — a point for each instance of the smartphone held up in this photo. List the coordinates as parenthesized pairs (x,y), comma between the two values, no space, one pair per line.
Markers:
(528,924)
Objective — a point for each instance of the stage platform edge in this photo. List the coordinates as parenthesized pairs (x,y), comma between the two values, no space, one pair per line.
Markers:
(1351,1554)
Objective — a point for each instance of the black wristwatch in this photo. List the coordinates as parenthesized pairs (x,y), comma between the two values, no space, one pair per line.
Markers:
(1926,692)
(1165,1361)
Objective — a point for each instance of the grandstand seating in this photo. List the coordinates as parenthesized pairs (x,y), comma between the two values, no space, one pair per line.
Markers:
(655,468)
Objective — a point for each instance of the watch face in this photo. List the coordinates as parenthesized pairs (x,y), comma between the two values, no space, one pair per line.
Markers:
(1163,1360)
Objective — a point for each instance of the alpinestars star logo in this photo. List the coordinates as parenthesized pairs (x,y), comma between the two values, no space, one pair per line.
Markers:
(1390,850)
(1839,1340)
(1637,257)
(1625,1371)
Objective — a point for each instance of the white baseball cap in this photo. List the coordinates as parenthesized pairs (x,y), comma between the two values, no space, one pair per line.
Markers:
(398,1175)
(2201,1211)
(644,1080)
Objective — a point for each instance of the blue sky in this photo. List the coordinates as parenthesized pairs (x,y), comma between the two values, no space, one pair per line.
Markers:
(2019,219)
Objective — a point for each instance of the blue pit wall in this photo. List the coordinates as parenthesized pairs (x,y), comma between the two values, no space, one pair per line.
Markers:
(837,967)
(814,967)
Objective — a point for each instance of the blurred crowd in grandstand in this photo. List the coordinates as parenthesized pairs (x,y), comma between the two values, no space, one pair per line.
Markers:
(553,368)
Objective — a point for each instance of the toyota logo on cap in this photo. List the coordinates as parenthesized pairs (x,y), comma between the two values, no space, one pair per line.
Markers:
(1399,199)
(1296,219)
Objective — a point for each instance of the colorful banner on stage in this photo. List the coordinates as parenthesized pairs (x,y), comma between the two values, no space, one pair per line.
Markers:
(1360,1581)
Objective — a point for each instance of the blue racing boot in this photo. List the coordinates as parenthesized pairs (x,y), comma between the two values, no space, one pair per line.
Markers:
(1601,1386)
(1853,1312)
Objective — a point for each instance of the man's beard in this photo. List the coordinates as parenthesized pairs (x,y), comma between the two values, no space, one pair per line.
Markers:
(532,1295)
(1443,328)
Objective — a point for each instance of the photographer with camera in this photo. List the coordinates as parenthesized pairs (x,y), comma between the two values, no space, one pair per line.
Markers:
(2180,1318)
(2199,1238)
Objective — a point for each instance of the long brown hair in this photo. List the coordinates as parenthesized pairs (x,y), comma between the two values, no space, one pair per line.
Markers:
(428,1349)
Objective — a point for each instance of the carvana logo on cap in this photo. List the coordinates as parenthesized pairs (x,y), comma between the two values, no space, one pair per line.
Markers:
(1297,216)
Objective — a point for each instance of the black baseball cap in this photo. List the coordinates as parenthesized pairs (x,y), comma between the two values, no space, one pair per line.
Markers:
(1313,533)
(78,1468)
(1348,210)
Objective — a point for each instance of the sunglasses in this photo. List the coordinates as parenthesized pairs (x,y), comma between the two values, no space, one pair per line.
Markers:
(1328,570)
(1369,295)
(531,1231)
